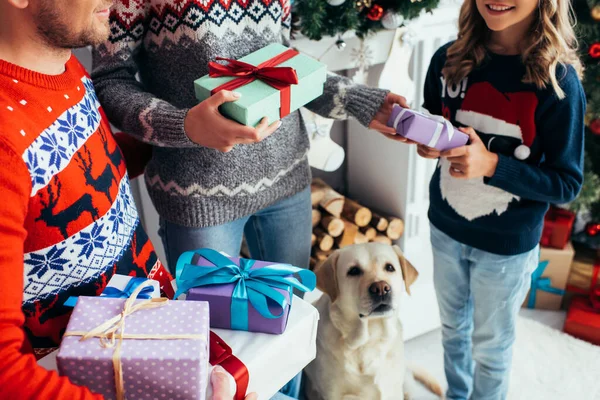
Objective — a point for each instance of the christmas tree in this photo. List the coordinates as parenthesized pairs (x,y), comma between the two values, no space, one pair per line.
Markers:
(588,30)
(318,18)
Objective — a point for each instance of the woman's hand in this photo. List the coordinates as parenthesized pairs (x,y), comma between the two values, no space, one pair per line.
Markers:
(220,385)
(205,125)
(379,122)
(473,160)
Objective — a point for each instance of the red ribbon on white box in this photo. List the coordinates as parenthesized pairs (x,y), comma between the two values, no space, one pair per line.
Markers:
(221,354)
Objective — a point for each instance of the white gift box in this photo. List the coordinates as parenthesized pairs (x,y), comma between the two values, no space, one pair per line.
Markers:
(272,360)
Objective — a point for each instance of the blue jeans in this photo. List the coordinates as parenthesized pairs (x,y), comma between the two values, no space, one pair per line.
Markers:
(278,233)
(479,297)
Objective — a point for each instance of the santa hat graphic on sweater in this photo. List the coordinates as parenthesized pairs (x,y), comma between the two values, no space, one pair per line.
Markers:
(501,115)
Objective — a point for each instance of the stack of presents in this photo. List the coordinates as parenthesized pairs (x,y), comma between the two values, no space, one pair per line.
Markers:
(567,277)
(234,312)
(238,313)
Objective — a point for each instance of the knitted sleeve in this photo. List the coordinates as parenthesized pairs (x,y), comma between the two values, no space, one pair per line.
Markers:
(341,98)
(559,177)
(20,376)
(127,103)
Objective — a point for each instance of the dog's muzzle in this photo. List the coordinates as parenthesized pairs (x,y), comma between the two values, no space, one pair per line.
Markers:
(380,292)
(381,299)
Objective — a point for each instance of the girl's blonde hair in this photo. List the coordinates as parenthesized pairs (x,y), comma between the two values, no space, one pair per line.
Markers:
(551,41)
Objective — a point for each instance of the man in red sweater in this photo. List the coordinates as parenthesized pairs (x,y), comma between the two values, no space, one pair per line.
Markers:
(68,221)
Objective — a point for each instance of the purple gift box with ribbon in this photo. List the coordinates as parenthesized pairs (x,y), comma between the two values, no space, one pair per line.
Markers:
(244,294)
(163,350)
(431,130)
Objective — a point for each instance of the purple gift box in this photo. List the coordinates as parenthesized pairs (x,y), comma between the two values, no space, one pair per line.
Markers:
(432,131)
(219,297)
(152,368)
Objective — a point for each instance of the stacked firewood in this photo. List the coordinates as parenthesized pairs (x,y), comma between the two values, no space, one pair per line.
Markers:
(339,222)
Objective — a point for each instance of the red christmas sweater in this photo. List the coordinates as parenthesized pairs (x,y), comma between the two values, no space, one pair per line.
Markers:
(68,221)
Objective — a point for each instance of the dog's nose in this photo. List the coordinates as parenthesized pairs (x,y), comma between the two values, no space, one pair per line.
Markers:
(379,290)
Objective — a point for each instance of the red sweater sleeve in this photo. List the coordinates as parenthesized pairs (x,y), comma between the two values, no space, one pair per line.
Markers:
(136,153)
(20,376)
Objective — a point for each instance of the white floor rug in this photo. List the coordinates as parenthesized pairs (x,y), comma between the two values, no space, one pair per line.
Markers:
(551,365)
(547,364)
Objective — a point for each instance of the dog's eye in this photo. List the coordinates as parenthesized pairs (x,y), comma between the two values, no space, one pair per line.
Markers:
(354,271)
(389,268)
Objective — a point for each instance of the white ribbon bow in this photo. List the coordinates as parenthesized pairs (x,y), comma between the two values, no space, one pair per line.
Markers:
(440,123)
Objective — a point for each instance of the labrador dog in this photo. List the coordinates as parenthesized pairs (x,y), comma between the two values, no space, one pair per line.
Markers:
(360,346)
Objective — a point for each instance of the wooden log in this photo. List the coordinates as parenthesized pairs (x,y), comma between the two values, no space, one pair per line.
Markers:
(382,239)
(321,255)
(360,238)
(324,240)
(317,191)
(347,238)
(356,213)
(332,225)
(369,232)
(316,217)
(330,200)
(378,222)
(395,228)
(313,239)
(323,195)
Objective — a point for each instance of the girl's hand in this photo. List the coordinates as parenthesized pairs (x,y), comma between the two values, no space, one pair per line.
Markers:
(472,160)
(205,125)
(220,385)
(428,152)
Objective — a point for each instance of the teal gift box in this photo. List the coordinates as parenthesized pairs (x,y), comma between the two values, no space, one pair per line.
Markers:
(260,99)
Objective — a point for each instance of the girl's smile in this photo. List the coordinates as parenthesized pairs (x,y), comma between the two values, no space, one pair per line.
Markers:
(501,15)
(496,9)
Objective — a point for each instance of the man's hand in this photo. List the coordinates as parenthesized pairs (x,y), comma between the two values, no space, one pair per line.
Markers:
(220,385)
(380,120)
(205,125)
(472,160)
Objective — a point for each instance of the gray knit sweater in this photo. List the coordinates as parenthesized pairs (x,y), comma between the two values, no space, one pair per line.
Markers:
(169,43)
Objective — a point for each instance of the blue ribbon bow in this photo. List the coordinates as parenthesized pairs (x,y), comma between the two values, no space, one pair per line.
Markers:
(126,293)
(113,292)
(254,286)
(540,283)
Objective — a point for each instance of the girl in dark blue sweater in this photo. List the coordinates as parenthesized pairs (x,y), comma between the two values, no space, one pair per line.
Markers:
(511,81)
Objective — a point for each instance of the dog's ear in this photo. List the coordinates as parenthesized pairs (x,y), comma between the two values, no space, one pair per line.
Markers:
(326,276)
(409,273)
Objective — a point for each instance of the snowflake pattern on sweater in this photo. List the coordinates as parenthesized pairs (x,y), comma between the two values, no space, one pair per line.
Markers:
(69,177)
(169,43)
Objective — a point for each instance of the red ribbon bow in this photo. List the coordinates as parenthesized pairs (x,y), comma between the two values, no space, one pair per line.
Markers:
(278,77)
(221,354)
